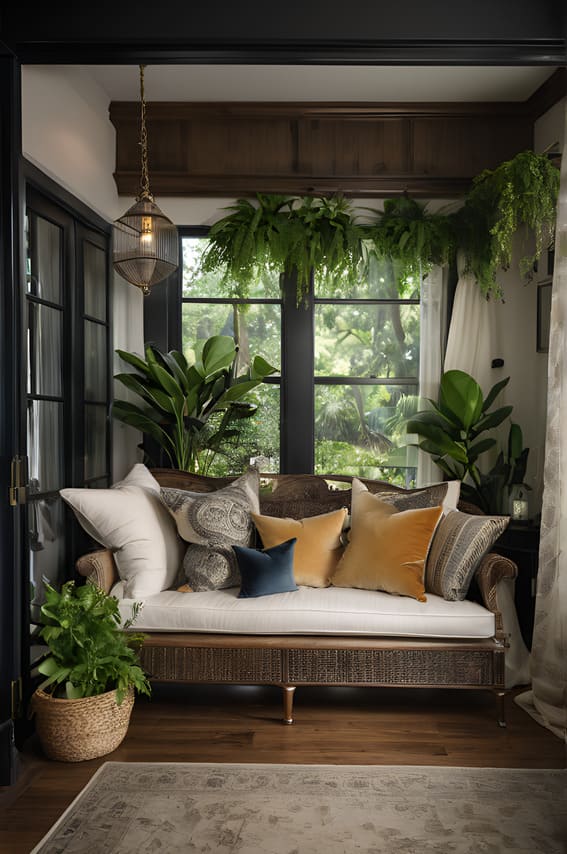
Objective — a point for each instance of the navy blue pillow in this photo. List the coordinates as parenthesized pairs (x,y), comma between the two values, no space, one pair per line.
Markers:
(266,572)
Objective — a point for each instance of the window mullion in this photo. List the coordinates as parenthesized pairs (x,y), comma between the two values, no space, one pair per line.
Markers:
(297,389)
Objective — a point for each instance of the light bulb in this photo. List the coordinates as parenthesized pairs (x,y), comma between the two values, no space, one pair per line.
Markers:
(147,234)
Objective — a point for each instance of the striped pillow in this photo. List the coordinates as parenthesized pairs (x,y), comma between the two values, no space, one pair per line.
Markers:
(459,544)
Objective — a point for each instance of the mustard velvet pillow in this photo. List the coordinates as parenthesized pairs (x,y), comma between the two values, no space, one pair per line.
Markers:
(387,549)
(318,548)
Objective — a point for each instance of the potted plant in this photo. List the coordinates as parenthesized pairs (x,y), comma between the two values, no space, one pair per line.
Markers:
(190,409)
(83,708)
(452,429)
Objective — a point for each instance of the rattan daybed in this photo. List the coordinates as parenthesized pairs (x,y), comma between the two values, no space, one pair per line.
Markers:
(317,657)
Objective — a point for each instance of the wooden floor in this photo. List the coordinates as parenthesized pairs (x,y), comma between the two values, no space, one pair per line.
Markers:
(345,726)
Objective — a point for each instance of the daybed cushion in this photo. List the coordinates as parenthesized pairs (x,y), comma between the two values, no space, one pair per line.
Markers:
(458,546)
(266,572)
(212,523)
(132,521)
(387,549)
(318,547)
(310,611)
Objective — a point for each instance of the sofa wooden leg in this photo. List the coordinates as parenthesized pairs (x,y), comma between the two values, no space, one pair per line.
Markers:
(288,692)
(501,707)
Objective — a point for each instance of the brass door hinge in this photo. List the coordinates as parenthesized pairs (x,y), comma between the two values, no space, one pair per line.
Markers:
(17,698)
(18,480)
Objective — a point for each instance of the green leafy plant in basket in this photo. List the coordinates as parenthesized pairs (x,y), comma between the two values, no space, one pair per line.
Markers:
(452,431)
(90,653)
(190,409)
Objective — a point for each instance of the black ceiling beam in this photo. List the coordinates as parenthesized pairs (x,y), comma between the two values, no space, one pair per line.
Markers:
(546,52)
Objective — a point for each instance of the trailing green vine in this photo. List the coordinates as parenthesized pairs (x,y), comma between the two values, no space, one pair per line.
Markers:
(521,192)
(301,235)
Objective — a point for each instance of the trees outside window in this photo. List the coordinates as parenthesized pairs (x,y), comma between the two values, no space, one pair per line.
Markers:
(355,383)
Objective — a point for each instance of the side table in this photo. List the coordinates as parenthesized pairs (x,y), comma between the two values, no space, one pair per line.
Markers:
(520,542)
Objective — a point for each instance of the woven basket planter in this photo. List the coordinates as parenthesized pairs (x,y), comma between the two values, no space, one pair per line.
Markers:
(75,730)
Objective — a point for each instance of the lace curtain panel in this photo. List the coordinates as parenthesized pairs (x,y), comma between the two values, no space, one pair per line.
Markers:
(547,700)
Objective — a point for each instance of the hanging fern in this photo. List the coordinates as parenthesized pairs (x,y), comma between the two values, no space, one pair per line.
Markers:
(406,232)
(521,192)
(323,237)
(252,237)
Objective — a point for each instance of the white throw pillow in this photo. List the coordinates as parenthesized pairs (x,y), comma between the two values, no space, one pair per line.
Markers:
(131,520)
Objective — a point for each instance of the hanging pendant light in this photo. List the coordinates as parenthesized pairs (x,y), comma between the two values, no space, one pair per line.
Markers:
(146,248)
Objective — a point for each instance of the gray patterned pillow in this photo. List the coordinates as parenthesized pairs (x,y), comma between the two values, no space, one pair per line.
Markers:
(458,546)
(212,522)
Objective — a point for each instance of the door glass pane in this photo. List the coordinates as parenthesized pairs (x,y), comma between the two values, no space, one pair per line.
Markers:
(95,361)
(45,446)
(198,284)
(258,442)
(44,349)
(44,279)
(46,530)
(367,341)
(94,261)
(95,441)
(255,328)
(360,430)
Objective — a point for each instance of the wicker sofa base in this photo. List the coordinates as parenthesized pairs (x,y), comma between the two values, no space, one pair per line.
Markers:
(290,662)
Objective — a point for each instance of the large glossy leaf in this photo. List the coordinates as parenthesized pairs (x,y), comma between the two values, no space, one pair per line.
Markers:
(426,416)
(461,395)
(218,353)
(135,361)
(237,391)
(439,438)
(493,393)
(260,368)
(479,448)
(129,414)
(515,441)
(149,393)
(493,419)
(176,370)
(167,382)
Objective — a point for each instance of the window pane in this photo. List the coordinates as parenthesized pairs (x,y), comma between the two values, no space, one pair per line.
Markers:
(255,328)
(44,264)
(95,361)
(46,530)
(45,446)
(95,441)
(196,284)
(94,264)
(360,430)
(367,341)
(385,280)
(44,349)
(259,439)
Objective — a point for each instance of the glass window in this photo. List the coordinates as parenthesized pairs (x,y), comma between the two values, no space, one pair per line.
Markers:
(95,441)
(45,342)
(94,266)
(96,371)
(361,373)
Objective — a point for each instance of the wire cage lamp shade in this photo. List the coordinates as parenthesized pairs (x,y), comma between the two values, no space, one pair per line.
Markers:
(145,243)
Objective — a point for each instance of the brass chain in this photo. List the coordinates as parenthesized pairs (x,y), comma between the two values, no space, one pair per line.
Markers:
(144,176)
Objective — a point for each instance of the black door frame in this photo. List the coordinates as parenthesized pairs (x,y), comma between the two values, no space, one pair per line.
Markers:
(523,33)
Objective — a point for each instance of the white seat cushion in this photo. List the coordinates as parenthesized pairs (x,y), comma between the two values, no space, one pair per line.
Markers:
(310,611)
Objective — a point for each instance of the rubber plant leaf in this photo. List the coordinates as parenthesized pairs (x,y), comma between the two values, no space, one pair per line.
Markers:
(460,394)
(493,393)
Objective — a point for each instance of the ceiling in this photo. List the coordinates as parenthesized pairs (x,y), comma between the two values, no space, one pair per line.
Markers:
(319,83)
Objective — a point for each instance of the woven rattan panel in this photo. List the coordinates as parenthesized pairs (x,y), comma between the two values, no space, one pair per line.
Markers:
(195,664)
(394,667)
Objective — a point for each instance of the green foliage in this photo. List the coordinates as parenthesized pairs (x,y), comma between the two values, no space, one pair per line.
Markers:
(450,429)
(406,232)
(89,652)
(190,409)
(321,235)
(520,192)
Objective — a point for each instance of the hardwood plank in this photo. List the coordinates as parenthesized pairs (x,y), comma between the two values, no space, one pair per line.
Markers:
(351,726)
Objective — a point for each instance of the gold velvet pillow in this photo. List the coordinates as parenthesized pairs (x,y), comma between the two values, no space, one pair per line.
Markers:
(387,549)
(317,550)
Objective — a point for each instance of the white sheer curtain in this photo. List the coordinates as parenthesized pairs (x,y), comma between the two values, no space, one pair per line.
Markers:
(430,358)
(547,701)
(471,343)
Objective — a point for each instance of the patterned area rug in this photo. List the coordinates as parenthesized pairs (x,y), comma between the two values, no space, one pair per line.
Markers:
(134,808)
